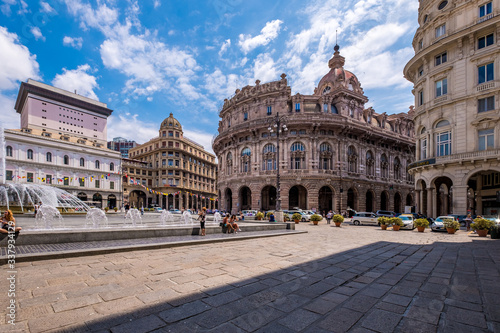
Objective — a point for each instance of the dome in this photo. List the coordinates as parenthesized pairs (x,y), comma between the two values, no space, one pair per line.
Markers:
(337,77)
(171,123)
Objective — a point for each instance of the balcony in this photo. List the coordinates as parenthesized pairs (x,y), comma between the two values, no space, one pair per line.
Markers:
(475,155)
(486,86)
(440,99)
(485,18)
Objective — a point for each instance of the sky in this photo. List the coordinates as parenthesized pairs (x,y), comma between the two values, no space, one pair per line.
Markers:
(148,58)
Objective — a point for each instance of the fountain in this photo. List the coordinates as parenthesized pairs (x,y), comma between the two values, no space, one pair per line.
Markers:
(166,218)
(134,216)
(186,217)
(96,218)
(217,218)
(46,216)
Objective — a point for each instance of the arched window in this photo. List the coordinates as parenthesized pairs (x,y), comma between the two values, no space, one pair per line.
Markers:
(384,166)
(325,107)
(443,139)
(8,151)
(325,156)
(334,109)
(29,154)
(269,157)
(370,164)
(409,176)
(111,167)
(66,159)
(82,162)
(48,157)
(97,164)
(229,163)
(246,154)
(297,156)
(423,130)
(352,158)
(397,168)
(442,123)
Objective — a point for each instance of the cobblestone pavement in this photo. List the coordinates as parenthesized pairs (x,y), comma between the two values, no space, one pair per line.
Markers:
(356,279)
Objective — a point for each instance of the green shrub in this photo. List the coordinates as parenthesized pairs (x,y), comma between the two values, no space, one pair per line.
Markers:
(296,217)
(316,217)
(396,221)
(383,220)
(337,218)
(421,223)
(269,214)
(259,216)
(481,224)
(451,223)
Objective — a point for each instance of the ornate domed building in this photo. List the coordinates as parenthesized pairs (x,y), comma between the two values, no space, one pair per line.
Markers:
(333,152)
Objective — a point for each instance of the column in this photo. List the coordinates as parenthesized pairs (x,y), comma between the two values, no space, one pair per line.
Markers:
(431,202)
(460,200)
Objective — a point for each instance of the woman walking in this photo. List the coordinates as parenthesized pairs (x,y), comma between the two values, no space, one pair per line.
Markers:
(201,218)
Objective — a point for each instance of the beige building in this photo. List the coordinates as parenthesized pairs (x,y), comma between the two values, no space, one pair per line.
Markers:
(455,72)
(170,171)
(334,153)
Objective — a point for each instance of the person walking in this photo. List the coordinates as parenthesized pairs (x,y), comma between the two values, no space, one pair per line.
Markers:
(468,221)
(329,217)
(201,218)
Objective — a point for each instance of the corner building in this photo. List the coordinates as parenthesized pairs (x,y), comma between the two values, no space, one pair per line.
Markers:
(335,154)
(455,74)
(170,171)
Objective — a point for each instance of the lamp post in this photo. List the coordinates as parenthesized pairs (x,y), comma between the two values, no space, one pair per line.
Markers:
(277,124)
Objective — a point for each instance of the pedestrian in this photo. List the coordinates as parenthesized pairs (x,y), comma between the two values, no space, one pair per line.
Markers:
(234,225)
(142,210)
(201,218)
(9,223)
(271,217)
(329,217)
(468,221)
(37,206)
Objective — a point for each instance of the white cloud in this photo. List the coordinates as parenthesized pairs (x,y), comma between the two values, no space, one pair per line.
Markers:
(37,33)
(46,8)
(76,42)
(221,85)
(171,32)
(23,8)
(131,127)
(101,18)
(16,61)
(157,3)
(268,33)
(224,47)
(8,116)
(79,80)
(5,7)
(200,137)
(264,68)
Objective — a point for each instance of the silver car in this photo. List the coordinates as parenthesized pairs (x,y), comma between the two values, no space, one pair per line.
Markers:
(438,224)
(364,218)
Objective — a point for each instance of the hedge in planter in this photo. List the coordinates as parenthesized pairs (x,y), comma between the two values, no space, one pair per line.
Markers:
(315,218)
(396,223)
(296,217)
(481,226)
(338,219)
(451,225)
(383,221)
(259,216)
(421,224)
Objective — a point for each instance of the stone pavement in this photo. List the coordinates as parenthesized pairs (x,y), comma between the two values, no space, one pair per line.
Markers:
(356,279)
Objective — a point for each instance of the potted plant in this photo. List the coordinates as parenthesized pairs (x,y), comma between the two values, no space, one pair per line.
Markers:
(383,221)
(106,209)
(115,209)
(338,219)
(296,217)
(421,224)
(259,216)
(315,218)
(481,225)
(396,223)
(452,226)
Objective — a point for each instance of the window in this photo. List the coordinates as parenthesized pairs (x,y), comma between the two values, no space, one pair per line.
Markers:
(486,104)
(48,179)
(441,30)
(334,109)
(228,124)
(384,166)
(82,162)
(66,181)
(423,149)
(441,87)
(370,164)
(66,159)
(442,123)
(420,98)
(485,73)
(8,151)
(325,107)
(9,175)
(421,71)
(485,9)
(29,177)
(97,183)
(486,139)
(269,110)
(111,167)
(442,4)
(352,158)
(485,41)
(245,116)
(420,44)
(48,157)
(325,152)
(351,112)
(297,146)
(297,107)
(81,181)
(97,164)
(441,59)
(443,143)
(171,133)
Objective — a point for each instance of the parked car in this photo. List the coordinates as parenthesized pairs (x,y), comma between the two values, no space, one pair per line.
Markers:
(305,217)
(460,219)
(408,220)
(438,224)
(364,218)
(175,211)
(249,212)
(157,210)
(386,213)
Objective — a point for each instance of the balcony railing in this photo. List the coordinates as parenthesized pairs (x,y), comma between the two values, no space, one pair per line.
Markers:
(484,18)
(483,154)
(486,86)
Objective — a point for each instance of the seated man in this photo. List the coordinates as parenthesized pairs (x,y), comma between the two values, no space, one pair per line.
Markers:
(271,218)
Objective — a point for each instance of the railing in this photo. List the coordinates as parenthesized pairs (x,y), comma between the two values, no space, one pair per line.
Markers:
(486,86)
(491,153)
(440,99)
(484,18)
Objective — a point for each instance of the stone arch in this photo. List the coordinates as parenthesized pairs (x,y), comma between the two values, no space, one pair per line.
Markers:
(409,199)
(268,197)
(397,203)
(384,200)
(352,198)
(244,198)
(228,200)
(297,197)
(443,195)
(370,201)
(326,199)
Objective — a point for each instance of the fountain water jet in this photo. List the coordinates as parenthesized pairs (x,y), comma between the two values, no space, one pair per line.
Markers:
(166,218)
(96,218)
(134,216)
(46,217)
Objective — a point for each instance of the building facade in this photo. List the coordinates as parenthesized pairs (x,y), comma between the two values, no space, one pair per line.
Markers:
(334,154)
(122,145)
(170,171)
(455,72)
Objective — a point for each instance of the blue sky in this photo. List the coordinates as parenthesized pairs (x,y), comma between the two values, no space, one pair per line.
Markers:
(148,58)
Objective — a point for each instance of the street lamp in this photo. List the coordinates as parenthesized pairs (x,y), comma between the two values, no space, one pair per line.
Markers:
(277,125)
